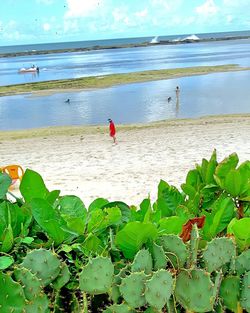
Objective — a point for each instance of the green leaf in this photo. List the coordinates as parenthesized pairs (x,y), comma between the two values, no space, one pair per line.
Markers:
(49,220)
(73,212)
(223,210)
(124,208)
(92,245)
(98,203)
(8,240)
(169,198)
(224,167)
(210,170)
(27,240)
(171,225)
(232,183)
(241,230)
(131,238)
(5,262)
(32,186)
(52,196)
(99,219)
(5,182)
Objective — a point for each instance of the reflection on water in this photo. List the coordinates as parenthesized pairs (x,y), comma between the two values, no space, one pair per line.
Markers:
(103,62)
(220,93)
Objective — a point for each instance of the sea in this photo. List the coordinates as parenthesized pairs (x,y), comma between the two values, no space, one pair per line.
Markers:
(112,42)
(212,94)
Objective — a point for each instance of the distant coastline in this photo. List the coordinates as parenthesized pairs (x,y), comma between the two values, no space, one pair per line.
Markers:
(131,45)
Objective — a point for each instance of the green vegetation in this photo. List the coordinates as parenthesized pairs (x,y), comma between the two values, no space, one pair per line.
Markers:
(116,79)
(187,251)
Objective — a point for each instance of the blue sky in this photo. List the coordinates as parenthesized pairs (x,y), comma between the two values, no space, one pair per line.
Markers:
(40,21)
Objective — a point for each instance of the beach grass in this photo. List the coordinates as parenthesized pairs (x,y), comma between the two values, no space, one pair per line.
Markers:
(104,81)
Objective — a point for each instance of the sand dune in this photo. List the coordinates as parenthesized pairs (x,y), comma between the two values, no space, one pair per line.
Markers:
(90,166)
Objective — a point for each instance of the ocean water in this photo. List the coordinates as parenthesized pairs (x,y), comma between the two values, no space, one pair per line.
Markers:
(110,42)
(124,60)
(212,94)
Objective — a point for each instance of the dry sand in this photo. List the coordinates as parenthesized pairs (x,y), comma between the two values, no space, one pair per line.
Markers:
(89,166)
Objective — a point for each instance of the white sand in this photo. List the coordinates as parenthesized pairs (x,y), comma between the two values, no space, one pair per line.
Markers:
(93,167)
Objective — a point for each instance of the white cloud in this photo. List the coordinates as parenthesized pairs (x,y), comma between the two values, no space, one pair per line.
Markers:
(229,18)
(82,8)
(142,13)
(71,26)
(47,2)
(46,27)
(207,8)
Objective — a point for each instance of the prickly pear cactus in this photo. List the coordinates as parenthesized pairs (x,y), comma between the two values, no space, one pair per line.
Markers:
(119,308)
(132,289)
(175,249)
(243,262)
(44,264)
(39,305)
(142,262)
(114,293)
(195,291)
(245,293)
(194,245)
(230,292)
(32,286)
(159,258)
(96,277)
(159,289)
(219,251)
(62,278)
(12,297)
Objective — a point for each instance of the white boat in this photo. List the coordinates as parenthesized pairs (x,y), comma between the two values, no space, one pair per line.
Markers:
(191,38)
(33,69)
(155,40)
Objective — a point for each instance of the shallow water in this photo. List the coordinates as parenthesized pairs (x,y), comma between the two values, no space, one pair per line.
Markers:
(102,62)
(213,94)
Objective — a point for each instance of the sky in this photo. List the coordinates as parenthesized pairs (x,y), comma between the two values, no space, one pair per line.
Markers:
(44,21)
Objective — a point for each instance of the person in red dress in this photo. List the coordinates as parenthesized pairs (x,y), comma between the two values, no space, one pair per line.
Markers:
(112,130)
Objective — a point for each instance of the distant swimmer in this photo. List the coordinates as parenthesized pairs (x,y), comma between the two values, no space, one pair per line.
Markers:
(67,101)
(169,99)
(177,90)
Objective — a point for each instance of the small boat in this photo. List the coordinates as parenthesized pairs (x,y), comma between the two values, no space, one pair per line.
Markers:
(33,69)
(155,40)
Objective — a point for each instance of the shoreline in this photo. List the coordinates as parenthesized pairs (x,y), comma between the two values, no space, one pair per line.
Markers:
(85,163)
(143,44)
(105,81)
(69,131)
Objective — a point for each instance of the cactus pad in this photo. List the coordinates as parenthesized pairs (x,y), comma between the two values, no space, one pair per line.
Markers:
(119,308)
(219,251)
(159,258)
(230,292)
(159,289)
(142,262)
(31,284)
(194,245)
(12,297)
(38,305)
(62,278)
(132,289)
(195,291)
(245,293)
(175,248)
(44,264)
(243,262)
(96,277)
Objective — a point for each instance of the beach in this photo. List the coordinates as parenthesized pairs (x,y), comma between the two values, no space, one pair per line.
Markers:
(83,161)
